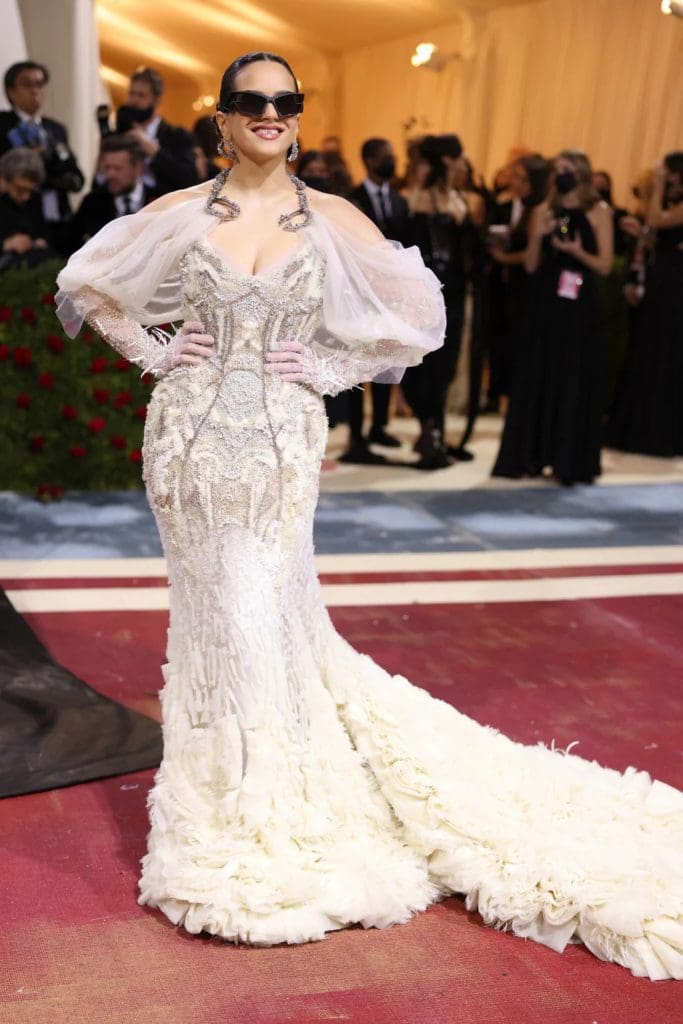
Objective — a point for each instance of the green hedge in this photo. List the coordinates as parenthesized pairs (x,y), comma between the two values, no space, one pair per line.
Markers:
(71,411)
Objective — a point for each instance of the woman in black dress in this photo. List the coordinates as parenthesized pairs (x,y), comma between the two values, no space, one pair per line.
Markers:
(508,237)
(648,409)
(440,224)
(554,418)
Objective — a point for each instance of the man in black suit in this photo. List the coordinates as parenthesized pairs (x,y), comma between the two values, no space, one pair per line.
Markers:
(375,196)
(24,126)
(168,150)
(25,236)
(389,210)
(122,166)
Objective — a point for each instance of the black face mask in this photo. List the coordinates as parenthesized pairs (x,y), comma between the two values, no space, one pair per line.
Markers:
(672,194)
(321,184)
(604,194)
(386,168)
(565,182)
(127,116)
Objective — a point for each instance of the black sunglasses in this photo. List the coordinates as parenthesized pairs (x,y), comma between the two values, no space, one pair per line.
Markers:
(253,104)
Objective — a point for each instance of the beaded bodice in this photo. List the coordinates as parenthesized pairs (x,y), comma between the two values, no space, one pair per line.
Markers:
(231,461)
(249,314)
(223,437)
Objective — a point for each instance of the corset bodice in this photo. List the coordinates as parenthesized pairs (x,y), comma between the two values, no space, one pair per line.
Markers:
(249,315)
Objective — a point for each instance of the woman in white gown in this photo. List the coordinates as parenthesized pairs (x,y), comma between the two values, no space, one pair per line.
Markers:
(302,788)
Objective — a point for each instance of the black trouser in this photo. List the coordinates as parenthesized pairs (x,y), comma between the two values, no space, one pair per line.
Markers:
(380,409)
(426,386)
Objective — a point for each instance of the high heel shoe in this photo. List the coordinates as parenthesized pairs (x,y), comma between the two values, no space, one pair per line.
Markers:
(431,448)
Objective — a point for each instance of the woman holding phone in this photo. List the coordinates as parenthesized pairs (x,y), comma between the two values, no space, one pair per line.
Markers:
(553,422)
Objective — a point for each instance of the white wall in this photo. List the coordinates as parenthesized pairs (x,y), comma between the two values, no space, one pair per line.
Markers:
(12,44)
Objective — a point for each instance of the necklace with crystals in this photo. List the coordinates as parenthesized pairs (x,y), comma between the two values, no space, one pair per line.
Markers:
(227,209)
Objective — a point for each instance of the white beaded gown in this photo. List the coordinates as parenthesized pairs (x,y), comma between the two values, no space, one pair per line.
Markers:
(302,788)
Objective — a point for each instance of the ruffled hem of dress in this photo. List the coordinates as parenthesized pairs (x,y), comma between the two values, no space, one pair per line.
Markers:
(397,801)
(302,844)
(542,843)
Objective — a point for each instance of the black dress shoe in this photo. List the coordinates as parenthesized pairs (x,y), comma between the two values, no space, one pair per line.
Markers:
(359,453)
(459,454)
(378,435)
(436,459)
(431,448)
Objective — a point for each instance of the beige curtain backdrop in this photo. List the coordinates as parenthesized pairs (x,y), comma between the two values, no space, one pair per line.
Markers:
(605,76)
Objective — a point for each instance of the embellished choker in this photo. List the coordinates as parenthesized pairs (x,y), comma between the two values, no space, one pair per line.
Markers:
(227,209)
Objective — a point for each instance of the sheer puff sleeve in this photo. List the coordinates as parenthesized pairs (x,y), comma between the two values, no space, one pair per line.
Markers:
(127,276)
(382,308)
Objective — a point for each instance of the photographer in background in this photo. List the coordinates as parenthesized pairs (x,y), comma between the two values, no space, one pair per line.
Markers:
(122,166)
(24,232)
(168,151)
(440,224)
(24,126)
(625,226)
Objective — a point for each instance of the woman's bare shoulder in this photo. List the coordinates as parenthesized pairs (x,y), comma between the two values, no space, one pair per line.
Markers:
(345,215)
(600,211)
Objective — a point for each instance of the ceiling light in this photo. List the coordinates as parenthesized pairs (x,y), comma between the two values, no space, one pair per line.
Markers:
(204,101)
(423,54)
(674,7)
(427,55)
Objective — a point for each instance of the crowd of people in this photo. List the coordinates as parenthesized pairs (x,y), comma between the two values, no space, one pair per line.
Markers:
(528,253)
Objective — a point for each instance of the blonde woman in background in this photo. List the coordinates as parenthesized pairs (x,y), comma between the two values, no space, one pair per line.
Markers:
(553,422)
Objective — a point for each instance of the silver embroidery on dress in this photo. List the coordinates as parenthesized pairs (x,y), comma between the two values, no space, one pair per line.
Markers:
(231,462)
(302,787)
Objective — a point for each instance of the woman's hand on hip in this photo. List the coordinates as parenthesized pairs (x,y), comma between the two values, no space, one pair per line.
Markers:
(192,346)
(302,365)
(289,361)
(189,346)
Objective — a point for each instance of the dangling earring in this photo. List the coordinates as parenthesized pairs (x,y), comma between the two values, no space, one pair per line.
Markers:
(294,151)
(226,148)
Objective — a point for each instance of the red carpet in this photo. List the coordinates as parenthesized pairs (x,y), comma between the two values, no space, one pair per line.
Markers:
(77,948)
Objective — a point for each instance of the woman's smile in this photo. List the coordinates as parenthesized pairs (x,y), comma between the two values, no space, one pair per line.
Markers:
(267,131)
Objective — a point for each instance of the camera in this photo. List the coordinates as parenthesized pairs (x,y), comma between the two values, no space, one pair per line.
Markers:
(498,235)
(562,231)
(125,119)
(103,113)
